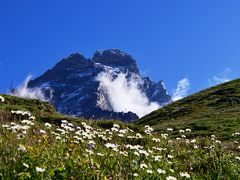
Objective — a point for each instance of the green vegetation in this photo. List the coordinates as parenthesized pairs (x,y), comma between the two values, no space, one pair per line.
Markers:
(36,107)
(213,111)
(38,143)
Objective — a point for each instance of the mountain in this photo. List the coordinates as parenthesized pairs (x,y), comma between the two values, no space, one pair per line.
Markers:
(212,111)
(71,85)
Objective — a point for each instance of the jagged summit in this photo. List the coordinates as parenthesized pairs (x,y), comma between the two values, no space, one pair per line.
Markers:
(115,57)
(72,87)
(74,61)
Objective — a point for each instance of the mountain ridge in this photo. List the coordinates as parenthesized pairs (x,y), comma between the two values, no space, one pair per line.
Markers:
(72,87)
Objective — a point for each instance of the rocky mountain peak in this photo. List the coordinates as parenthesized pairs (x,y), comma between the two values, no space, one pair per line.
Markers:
(72,87)
(117,58)
(74,61)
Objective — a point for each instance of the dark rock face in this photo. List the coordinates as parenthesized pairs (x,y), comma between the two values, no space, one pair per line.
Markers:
(72,88)
(115,58)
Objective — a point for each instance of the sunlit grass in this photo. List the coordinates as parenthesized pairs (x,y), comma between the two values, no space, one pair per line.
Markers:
(30,149)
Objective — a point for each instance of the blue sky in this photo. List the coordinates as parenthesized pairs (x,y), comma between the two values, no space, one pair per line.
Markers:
(170,39)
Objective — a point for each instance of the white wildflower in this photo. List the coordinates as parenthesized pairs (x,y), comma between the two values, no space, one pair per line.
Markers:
(135,174)
(41,170)
(161,171)
(5,126)
(121,135)
(143,166)
(25,165)
(27,122)
(148,129)
(42,131)
(91,142)
(157,158)
(75,142)
(48,125)
(193,141)
(138,135)
(149,171)
(113,129)
(236,134)
(22,148)
(143,152)
(213,136)
(116,126)
(110,145)
(100,154)
(64,121)
(58,138)
(183,136)
(155,140)
(2,99)
(32,118)
(89,151)
(123,153)
(181,131)
(195,146)
(171,178)
(164,136)
(70,124)
(186,175)
(136,153)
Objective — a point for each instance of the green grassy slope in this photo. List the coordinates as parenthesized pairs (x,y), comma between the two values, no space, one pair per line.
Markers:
(45,112)
(72,148)
(35,106)
(212,111)
(40,109)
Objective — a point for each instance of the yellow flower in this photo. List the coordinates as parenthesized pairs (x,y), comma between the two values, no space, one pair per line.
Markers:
(30,149)
(45,137)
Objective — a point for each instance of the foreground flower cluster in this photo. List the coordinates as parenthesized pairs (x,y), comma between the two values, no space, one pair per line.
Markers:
(2,99)
(30,149)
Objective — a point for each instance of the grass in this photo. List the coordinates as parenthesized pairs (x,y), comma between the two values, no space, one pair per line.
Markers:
(36,107)
(53,146)
(213,111)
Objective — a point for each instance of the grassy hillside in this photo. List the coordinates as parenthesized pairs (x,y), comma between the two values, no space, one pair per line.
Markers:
(213,111)
(44,112)
(36,107)
(38,143)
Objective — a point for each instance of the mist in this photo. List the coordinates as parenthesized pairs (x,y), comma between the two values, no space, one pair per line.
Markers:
(182,89)
(30,93)
(125,95)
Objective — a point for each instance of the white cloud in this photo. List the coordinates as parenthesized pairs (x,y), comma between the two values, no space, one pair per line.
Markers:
(124,94)
(182,89)
(30,93)
(220,78)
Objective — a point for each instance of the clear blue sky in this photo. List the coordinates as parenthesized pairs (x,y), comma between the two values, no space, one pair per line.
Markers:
(170,39)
